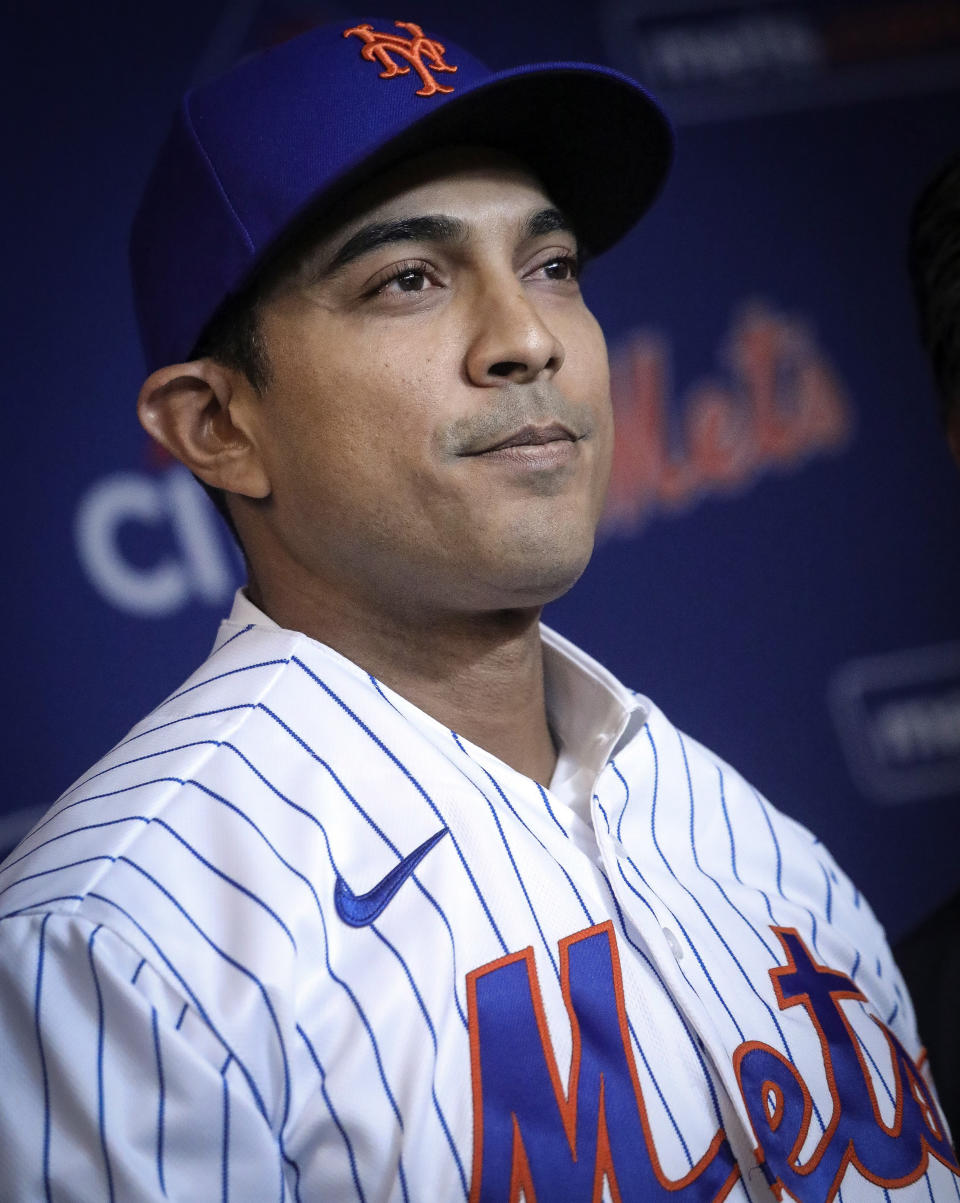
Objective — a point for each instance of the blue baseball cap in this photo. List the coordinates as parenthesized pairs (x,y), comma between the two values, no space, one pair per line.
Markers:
(294,129)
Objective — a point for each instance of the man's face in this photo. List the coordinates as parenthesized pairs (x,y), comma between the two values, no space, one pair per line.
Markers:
(437,430)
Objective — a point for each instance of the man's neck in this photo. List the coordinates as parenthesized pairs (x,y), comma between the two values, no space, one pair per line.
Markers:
(481,675)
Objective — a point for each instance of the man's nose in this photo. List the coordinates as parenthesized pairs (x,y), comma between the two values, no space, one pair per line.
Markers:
(512,342)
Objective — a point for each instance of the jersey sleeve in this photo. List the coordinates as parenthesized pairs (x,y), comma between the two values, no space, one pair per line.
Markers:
(114,1087)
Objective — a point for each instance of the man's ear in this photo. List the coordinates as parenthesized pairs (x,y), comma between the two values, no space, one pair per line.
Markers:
(201,412)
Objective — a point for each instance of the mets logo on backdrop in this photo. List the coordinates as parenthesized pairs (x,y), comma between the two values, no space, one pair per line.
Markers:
(385,48)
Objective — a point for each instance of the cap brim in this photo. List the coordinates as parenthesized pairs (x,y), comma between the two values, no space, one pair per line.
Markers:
(600,145)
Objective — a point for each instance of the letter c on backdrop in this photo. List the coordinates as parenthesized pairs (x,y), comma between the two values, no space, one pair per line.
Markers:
(200,568)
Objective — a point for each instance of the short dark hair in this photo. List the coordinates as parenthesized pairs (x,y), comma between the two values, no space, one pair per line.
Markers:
(934,264)
(233,337)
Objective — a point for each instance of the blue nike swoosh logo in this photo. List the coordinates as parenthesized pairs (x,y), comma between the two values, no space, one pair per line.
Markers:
(358,910)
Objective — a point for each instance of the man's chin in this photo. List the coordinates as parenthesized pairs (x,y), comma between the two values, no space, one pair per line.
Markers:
(536,579)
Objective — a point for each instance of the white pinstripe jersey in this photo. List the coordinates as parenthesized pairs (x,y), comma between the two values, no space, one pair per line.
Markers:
(223,974)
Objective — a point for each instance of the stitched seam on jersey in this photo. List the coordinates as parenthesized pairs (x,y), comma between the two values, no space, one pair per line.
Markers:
(166,796)
(177,987)
(433,1077)
(218,647)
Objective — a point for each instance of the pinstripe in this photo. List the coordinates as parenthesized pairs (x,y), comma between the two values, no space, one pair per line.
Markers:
(637,949)
(313,819)
(926,1178)
(186,718)
(714,928)
(176,835)
(869,1056)
(433,1039)
(22,880)
(630,861)
(776,844)
(751,927)
(333,975)
(161,1100)
(230,960)
(235,635)
(517,874)
(225,1153)
(680,968)
(373,1042)
(416,784)
(520,820)
(602,811)
(339,980)
(296,1176)
(124,764)
(829,904)
(37,906)
(241,814)
(231,672)
(856,965)
(333,1114)
(656,973)
(546,802)
(74,831)
(686,935)
(683,1023)
(733,848)
(235,964)
(667,993)
(101,1104)
(712,925)
(229,880)
(43,1059)
(198,1006)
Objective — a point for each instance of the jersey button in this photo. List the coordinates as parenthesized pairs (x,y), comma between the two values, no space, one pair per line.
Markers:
(673,943)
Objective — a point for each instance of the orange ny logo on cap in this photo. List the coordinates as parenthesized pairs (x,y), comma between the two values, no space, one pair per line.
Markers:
(380,46)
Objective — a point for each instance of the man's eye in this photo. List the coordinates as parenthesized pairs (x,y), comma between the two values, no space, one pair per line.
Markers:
(410,280)
(563,267)
(405,277)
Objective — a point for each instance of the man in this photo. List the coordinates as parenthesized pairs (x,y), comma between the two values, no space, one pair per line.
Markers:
(402,896)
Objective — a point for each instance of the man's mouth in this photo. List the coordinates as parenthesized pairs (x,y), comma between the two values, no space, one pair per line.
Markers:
(530,436)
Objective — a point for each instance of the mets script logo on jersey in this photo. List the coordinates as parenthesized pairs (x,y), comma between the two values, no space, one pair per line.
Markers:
(385,48)
(556,1143)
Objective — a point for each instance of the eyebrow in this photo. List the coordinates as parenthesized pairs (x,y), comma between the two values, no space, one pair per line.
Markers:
(432,228)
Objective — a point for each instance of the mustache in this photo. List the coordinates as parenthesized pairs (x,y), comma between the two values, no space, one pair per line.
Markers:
(512,411)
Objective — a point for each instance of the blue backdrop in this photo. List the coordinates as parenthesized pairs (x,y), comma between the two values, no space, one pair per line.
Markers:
(780,563)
